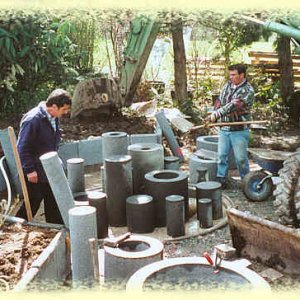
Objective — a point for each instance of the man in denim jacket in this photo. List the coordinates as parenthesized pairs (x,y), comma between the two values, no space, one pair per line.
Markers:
(233,105)
(39,134)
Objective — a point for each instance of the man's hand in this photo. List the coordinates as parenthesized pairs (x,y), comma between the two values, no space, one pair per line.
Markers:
(32,177)
(212,118)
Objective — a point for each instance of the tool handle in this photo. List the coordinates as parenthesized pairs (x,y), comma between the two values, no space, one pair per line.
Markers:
(208,258)
(11,134)
(229,124)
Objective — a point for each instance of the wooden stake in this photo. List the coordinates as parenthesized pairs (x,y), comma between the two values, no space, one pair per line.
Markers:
(11,134)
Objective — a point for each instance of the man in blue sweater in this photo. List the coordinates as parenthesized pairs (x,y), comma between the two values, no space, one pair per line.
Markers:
(39,134)
(234,105)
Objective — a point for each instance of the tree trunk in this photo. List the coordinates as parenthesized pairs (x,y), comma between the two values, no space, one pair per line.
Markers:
(179,62)
(285,68)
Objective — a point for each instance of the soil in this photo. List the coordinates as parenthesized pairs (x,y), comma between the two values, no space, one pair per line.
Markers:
(75,129)
(20,245)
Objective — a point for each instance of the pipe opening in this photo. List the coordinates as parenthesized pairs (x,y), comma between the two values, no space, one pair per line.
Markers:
(114,134)
(166,175)
(134,246)
(145,148)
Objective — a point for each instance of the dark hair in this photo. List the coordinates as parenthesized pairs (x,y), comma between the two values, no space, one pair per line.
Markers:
(59,97)
(238,67)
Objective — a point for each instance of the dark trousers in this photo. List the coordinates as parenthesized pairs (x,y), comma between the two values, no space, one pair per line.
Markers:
(37,192)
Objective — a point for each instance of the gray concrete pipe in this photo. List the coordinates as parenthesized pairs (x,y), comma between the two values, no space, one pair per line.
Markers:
(211,190)
(196,162)
(131,255)
(168,133)
(98,199)
(118,174)
(59,184)
(146,157)
(75,174)
(171,163)
(82,227)
(114,143)
(204,212)
(210,143)
(140,213)
(160,184)
(175,215)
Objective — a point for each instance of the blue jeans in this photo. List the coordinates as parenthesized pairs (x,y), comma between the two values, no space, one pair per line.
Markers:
(238,140)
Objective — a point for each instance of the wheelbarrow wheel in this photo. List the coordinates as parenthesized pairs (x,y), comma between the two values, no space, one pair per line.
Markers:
(251,188)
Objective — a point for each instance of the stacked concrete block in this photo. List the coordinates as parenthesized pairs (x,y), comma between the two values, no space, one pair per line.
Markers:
(91,151)
(144,138)
(67,151)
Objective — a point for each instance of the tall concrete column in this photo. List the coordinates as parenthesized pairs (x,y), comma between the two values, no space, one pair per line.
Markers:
(146,157)
(114,143)
(58,183)
(75,173)
(118,174)
(83,226)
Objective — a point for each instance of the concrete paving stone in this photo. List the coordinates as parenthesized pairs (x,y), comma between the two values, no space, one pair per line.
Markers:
(270,274)
(91,151)
(68,150)
(144,138)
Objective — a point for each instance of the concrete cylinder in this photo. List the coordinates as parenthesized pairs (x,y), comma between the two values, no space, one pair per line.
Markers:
(140,213)
(97,199)
(58,183)
(196,162)
(171,163)
(118,174)
(102,175)
(114,143)
(75,174)
(202,174)
(211,190)
(204,212)
(82,227)
(175,215)
(132,254)
(146,157)
(160,184)
(81,199)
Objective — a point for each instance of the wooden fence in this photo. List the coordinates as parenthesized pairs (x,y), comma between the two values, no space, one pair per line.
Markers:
(197,68)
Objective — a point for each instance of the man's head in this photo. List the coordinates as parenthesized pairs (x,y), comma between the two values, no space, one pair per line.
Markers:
(58,103)
(237,73)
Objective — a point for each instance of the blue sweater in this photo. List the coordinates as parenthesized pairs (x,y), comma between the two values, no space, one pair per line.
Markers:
(36,137)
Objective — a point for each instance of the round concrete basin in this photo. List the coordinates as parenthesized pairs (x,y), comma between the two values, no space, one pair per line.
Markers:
(194,274)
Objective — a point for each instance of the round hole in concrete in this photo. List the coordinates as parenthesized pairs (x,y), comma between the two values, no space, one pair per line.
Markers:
(204,158)
(194,277)
(82,197)
(114,134)
(145,148)
(166,175)
(213,139)
(134,246)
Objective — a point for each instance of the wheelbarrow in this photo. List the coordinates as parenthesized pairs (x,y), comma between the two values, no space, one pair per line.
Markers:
(258,185)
